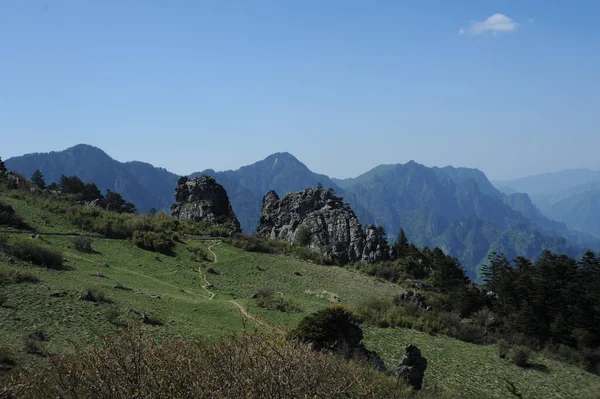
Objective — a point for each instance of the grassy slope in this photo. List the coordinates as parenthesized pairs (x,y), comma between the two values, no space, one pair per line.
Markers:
(470,371)
(473,371)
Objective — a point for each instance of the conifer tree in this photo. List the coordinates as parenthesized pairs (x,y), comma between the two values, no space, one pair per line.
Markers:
(2,166)
(37,178)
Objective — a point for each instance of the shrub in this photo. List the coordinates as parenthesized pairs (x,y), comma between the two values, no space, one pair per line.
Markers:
(9,217)
(113,316)
(82,244)
(153,320)
(13,276)
(94,294)
(3,298)
(33,342)
(7,358)
(198,252)
(519,355)
(31,251)
(503,349)
(322,326)
(243,366)
(152,241)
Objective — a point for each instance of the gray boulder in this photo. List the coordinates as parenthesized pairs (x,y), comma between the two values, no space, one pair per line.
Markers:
(202,199)
(412,367)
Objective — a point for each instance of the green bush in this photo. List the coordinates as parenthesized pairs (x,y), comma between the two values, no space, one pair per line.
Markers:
(324,325)
(199,253)
(32,342)
(152,241)
(3,298)
(97,294)
(7,358)
(153,320)
(519,355)
(31,251)
(8,217)
(82,244)
(503,349)
(14,276)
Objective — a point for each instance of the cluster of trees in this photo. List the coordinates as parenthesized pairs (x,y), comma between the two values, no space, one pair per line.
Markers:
(551,304)
(89,192)
(552,301)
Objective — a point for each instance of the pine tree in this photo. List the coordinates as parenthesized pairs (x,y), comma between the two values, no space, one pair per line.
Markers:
(37,178)
(401,245)
(2,166)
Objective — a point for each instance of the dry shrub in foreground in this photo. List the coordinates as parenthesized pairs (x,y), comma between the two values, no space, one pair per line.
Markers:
(250,365)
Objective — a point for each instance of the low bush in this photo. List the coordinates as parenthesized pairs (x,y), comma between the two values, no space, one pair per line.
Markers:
(256,244)
(32,251)
(503,349)
(114,317)
(244,366)
(82,244)
(32,342)
(3,298)
(267,299)
(7,358)
(8,217)
(198,252)
(14,276)
(94,294)
(519,355)
(152,241)
(152,320)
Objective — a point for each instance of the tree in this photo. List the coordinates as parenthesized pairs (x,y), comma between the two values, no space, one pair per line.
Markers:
(71,185)
(91,192)
(2,166)
(37,178)
(401,245)
(153,211)
(53,187)
(114,202)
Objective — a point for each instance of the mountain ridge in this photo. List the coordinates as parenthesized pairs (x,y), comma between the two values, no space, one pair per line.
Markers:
(457,209)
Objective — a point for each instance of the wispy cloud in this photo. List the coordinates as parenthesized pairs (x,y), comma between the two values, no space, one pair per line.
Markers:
(494,24)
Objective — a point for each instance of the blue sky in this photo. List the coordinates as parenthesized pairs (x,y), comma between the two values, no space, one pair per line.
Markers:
(509,87)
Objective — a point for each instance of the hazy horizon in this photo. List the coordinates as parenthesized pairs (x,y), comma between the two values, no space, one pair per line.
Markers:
(509,88)
(290,152)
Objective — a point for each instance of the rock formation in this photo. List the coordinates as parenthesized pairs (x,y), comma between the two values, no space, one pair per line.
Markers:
(318,219)
(202,199)
(412,367)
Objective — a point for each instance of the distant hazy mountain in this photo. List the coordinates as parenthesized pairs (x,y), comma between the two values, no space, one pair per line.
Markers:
(570,196)
(141,183)
(457,209)
(550,183)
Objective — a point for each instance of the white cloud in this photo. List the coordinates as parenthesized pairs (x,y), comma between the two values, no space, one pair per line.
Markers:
(496,23)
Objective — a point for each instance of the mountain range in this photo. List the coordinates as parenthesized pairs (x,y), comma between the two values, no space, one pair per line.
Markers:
(457,209)
(570,196)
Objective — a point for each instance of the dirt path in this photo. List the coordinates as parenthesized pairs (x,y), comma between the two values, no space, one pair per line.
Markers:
(242,310)
(248,315)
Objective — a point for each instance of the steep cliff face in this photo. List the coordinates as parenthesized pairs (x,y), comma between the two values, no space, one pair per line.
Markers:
(319,220)
(203,199)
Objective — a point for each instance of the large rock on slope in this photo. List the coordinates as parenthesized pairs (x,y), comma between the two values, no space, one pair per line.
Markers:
(319,220)
(202,199)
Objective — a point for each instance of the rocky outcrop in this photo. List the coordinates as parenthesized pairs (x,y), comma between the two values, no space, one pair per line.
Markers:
(319,220)
(412,367)
(202,199)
